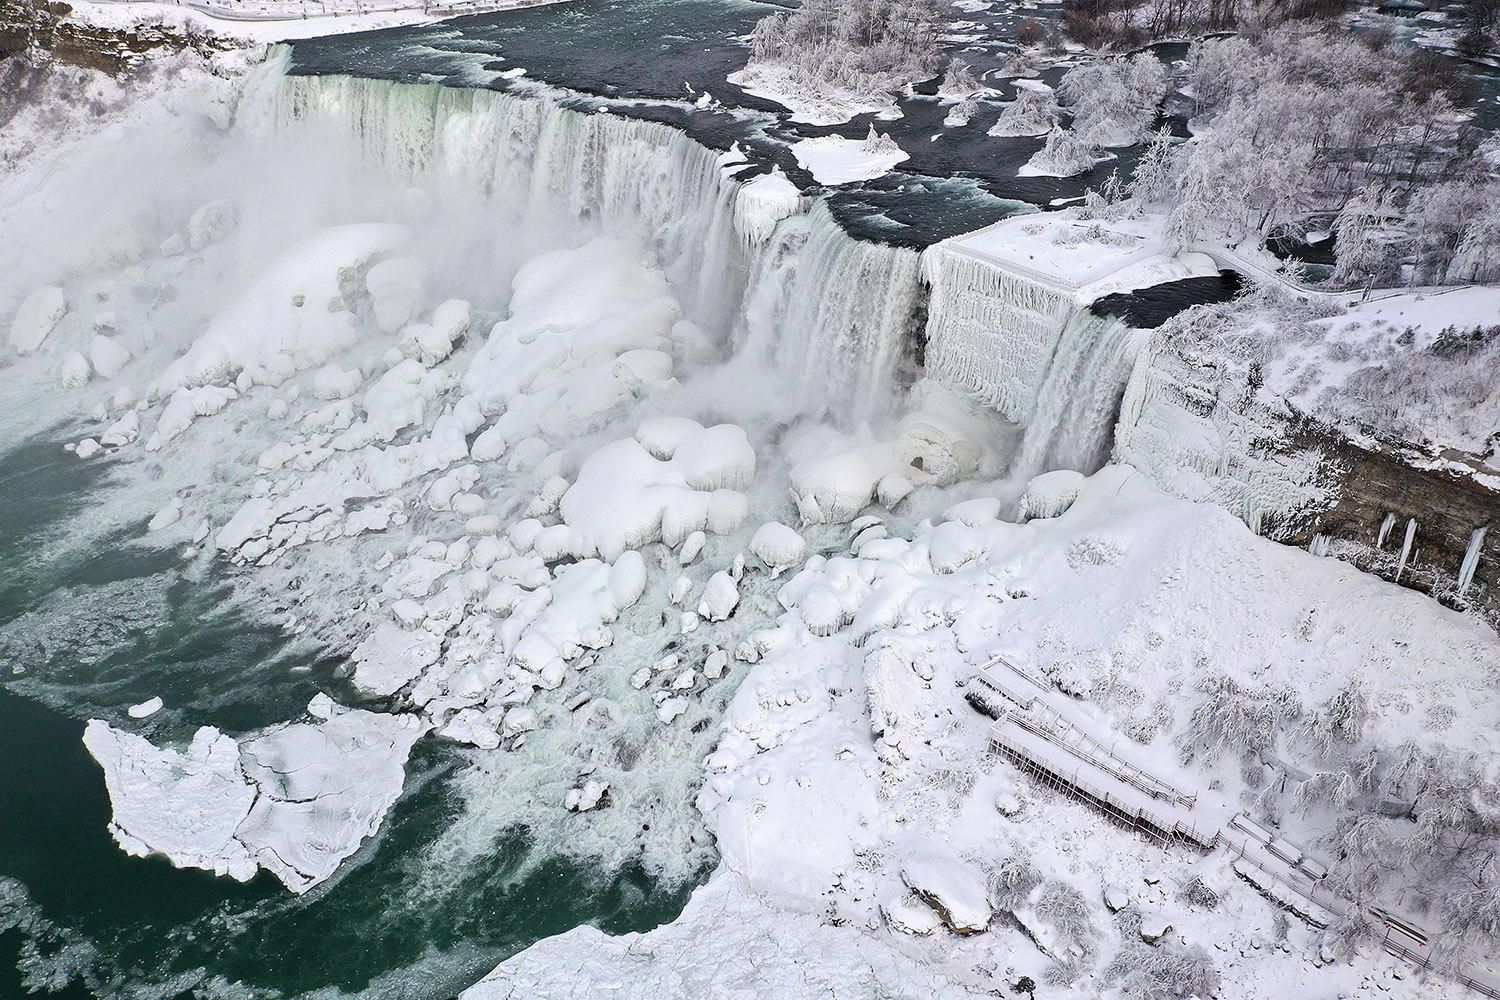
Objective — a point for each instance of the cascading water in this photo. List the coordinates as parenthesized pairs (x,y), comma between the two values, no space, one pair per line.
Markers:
(1021,345)
(1079,401)
(832,314)
(859,300)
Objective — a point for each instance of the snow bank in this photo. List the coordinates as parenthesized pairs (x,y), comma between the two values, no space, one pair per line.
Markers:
(727,943)
(293,308)
(834,160)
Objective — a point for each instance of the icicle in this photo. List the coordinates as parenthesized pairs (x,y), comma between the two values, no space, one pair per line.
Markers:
(1319,545)
(991,333)
(1411,534)
(1385,530)
(1471,560)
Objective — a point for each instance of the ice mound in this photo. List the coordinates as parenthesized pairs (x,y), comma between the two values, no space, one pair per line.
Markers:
(763,201)
(295,799)
(727,943)
(295,308)
(572,314)
(1051,494)
(625,497)
(35,320)
(778,546)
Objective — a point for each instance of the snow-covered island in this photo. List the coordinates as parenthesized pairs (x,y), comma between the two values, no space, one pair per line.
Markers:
(570,558)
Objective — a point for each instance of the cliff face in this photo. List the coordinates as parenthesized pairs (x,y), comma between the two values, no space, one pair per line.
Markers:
(35,32)
(1204,428)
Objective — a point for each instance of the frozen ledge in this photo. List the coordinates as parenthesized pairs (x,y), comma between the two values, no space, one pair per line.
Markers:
(727,943)
(295,799)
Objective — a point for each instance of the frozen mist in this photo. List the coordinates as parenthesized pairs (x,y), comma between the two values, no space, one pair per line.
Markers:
(621,540)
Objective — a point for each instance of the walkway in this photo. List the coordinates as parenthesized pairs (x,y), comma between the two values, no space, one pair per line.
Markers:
(1047,734)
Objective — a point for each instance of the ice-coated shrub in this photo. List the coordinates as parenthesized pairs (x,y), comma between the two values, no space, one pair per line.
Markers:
(1074,939)
(1198,893)
(1013,881)
(1165,972)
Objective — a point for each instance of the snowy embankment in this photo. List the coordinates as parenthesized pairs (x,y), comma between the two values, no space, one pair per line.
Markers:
(282,20)
(852,780)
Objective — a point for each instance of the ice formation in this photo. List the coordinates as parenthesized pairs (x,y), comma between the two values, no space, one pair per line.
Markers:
(295,799)
(563,525)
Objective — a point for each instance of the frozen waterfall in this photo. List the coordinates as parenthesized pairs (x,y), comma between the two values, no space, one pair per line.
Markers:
(772,272)
(1021,344)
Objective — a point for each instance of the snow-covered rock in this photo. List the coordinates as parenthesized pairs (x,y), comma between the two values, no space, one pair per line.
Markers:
(36,318)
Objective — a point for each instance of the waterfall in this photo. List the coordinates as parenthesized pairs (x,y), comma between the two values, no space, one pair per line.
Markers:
(1078,402)
(770,272)
(860,300)
(1023,346)
(1471,560)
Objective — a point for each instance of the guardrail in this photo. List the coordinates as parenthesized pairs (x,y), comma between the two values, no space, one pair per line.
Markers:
(1158,826)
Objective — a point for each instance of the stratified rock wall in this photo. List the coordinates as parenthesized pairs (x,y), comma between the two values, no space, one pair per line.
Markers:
(35,32)
(1203,428)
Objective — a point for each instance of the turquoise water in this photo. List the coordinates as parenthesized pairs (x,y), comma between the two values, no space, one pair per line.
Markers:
(98,624)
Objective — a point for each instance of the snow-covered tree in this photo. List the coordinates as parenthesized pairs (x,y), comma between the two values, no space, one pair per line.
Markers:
(1151,181)
(1065,154)
(1368,241)
(959,82)
(1033,112)
(1168,971)
(1114,101)
(863,47)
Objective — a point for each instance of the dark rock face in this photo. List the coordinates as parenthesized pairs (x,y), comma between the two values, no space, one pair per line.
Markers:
(38,31)
(1447,508)
(1202,428)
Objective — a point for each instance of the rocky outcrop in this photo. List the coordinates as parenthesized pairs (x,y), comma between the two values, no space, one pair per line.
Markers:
(1204,428)
(36,32)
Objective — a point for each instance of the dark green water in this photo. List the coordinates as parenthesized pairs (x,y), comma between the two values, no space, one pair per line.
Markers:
(98,624)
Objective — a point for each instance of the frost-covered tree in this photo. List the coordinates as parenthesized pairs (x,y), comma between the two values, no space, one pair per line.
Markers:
(1114,101)
(868,48)
(959,82)
(1166,972)
(1232,720)
(1013,881)
(1033,112)
(1368,240)
(1151,181)
(1293,124)
(1074,938)
(1065,154)
(1339,723)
